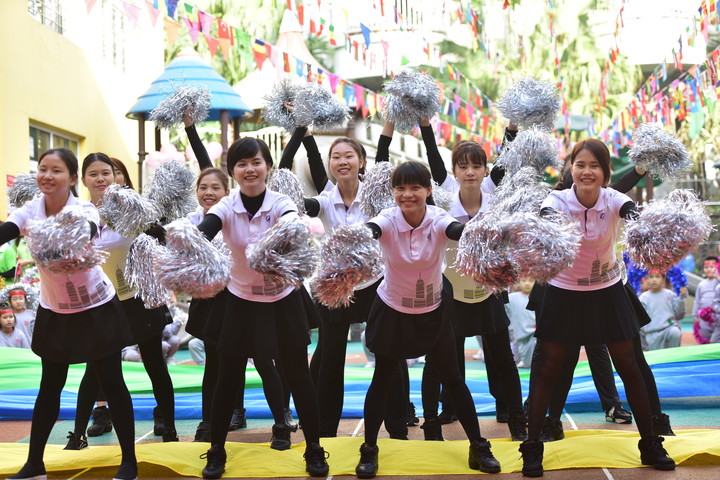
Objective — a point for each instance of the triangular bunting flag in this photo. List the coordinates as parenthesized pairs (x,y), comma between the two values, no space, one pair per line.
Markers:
(171,7)
(225,47)
(132,13)
(89,4)
(152,11)
(171,29)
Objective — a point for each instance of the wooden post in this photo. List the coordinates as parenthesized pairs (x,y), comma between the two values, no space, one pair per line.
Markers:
(141,147)
(236,128)
(650,186)
(224,123)
(158,140)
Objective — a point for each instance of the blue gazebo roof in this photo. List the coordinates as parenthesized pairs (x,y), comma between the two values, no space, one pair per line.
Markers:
(191,70)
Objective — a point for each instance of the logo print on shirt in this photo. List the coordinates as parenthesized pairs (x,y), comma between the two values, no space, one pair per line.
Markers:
(602,215)
(267,218)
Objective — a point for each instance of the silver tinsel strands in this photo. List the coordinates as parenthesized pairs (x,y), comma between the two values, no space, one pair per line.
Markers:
(483,254)
(171,189)
(350,257)
(318,107)
(61,243)
(32,294)
(275,111)
(441,197)
(522,192)
(377,192)
(126,211)
(140,271)
(533,147)
(29,275)
(284,181)
(190,263)
(24,189)
(411,96)
(529,102)
(667,230)
(170,111)
(658,152)
(284,254)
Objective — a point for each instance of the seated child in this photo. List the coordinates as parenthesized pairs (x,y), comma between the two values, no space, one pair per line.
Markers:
(665,309)
(522,322)
(10,336)
(24,317)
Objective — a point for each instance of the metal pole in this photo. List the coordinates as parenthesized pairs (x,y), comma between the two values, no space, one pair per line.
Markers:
(141,148)
(224,122)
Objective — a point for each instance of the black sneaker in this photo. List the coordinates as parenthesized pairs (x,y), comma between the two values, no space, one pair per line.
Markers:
(532,455)
(316,460)
(289,420)
(216,458)
(158,422)
(76,442)
(202,434)
(367,467)
(238,420)
(653,453)
(518,427)
(101,422)
(552,430)
(280,437)
(30,471)
(618,414)
(661,425)
(170,435)
(481,458)
(413,420)
(127,471)
(432,428)
(447,417)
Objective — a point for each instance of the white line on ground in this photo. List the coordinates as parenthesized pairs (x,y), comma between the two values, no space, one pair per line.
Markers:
(144,436)
(575,427)
(80,473)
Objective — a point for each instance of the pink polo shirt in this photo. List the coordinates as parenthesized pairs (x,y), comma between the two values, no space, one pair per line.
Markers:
(596,265)
(240,230)
(413,259)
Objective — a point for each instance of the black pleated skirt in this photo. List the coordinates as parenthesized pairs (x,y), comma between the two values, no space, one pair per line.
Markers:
(594,317)
(479,318)
(258,330)
(357,312)
(200,311)
(81,337)
(145,323)
(394,334)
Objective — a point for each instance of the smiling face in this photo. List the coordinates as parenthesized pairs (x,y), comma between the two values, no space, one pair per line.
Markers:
(210,190)
(411,198)
(345,163)
(587,174)
(250,173)
(97,177)
(53,176)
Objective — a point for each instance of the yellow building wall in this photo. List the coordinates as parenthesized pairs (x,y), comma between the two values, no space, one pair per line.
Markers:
(48,80)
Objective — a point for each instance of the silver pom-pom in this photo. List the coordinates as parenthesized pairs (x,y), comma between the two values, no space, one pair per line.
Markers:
(441,197)
(275,111)
(190,263)
(30,275)
(660,153)
(350,256)
(140,271)
(411,97)
(61,243)
(667,230)
(171,189)
(316,106)
(284,254)
(533,147)
(126,211)
(24,189)
(170,111)
(522,192)
(529,102)
(377,192)
(483,254)
(32,294)
(284,181)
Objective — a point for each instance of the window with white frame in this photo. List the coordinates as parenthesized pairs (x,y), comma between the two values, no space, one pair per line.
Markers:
(42,139)
(47,12)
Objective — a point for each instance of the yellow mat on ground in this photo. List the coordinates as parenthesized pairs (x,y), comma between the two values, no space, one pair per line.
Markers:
(580,449)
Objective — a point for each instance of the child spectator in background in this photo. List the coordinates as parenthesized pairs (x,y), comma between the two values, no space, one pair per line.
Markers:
(10,336)
(665,309)
(522,322)
(24,317)
(705,296)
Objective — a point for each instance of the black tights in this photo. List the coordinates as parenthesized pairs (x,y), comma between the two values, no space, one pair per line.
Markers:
(210,378)
(156,368)
(542,384)
(295,366)
(443,355)
(108,373)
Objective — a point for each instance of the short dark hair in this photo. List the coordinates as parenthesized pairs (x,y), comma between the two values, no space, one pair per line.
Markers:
(411,173)
(247,147)
(118,164)
(68,158)
(711,258)
(468,151)
(222,176)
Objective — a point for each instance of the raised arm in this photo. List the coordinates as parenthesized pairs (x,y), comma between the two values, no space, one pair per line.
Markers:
(498,173)
(629,180)
(437,166)
(195,143)
(210,226)
(383,146)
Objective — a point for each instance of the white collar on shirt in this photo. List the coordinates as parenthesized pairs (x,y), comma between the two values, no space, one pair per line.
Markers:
(337,198)
(575,204)
(458,211)
(72,200)
(239,207)
(404,226)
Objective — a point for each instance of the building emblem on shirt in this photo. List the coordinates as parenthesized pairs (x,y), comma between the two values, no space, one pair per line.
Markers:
(600,273)
(425,296)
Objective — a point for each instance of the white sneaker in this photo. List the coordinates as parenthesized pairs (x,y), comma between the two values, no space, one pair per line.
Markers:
(421,359)
(479,355)
(370,365)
